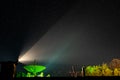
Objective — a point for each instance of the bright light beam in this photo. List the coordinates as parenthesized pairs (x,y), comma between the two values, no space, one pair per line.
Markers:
(49,45)
(48,48)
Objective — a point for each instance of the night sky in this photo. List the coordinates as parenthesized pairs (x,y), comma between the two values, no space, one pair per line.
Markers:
(82,32)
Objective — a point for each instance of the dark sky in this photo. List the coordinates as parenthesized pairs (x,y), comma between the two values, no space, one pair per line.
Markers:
(59,31)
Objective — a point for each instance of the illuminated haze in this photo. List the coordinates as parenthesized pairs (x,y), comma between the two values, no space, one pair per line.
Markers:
(83,36)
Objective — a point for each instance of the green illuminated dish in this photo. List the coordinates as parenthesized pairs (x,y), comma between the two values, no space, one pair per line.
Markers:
(34,68)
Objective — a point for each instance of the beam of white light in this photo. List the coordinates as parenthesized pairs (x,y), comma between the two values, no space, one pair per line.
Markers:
(52,45)
(47,47)
(25,58)
(85,43)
